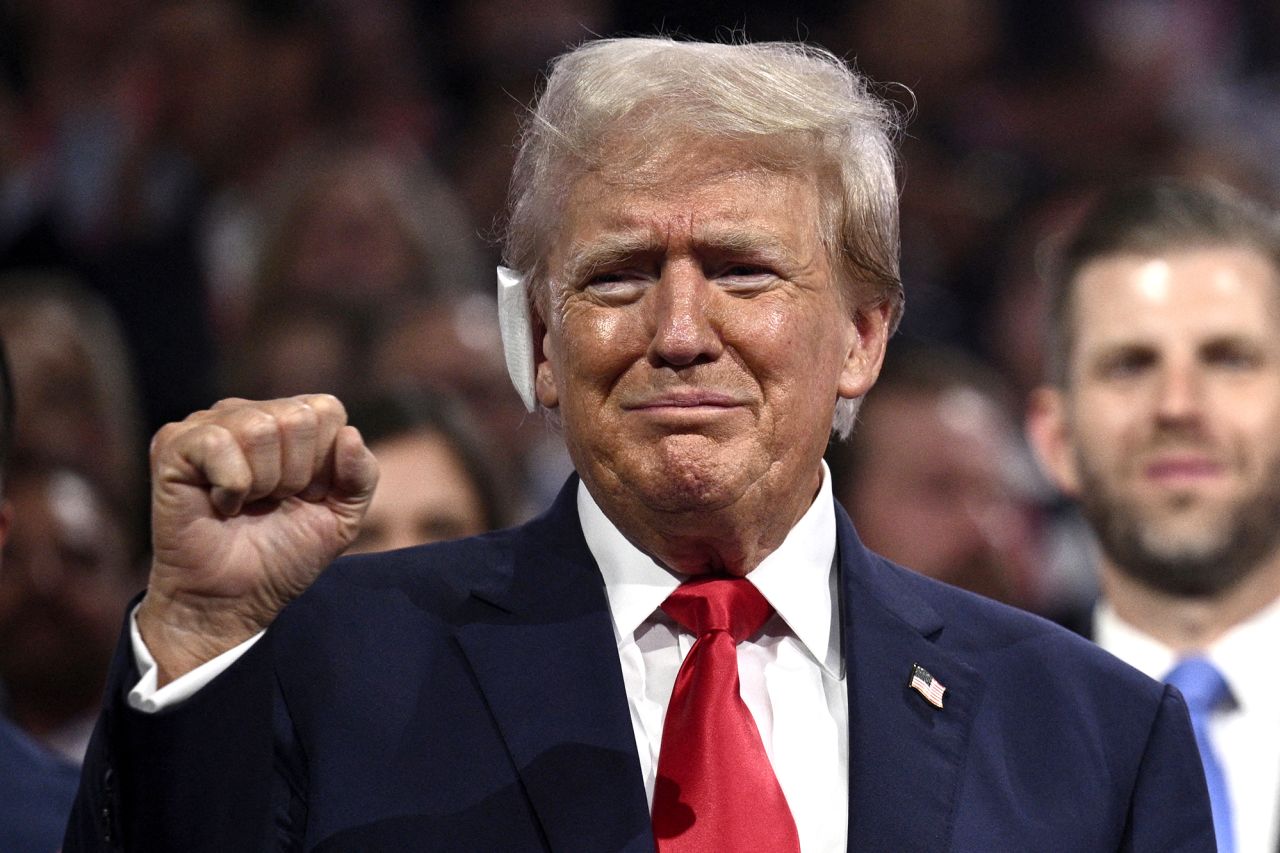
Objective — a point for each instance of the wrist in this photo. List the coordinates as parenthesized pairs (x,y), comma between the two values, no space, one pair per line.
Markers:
(181,634)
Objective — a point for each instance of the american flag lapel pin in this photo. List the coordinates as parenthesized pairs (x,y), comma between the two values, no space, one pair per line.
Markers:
(926,685)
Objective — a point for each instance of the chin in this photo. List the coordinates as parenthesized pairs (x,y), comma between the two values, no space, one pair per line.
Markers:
(1182,543)
(1189,528)
(686,491)
(691,479)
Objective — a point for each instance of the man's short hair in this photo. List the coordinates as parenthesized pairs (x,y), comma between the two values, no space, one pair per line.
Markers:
(791,107)
(1148,219)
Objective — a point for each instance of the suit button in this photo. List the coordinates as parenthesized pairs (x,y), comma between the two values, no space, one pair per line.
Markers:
(108,791)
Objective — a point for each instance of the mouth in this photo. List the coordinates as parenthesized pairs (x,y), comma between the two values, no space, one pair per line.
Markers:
(1183,470)
(686,407)
(685,399)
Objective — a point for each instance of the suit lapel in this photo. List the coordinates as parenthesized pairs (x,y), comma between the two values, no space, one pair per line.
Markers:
(540,641)
(539,638)
(905,755)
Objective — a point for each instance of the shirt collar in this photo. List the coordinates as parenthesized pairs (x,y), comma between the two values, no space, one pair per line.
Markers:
(1235,653)
(798,578)
(1238,652)
(1136,648)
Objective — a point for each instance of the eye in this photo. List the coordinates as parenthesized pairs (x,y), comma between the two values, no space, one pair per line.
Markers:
(745,278)
(617,287)
(1126,363)
(1231,355)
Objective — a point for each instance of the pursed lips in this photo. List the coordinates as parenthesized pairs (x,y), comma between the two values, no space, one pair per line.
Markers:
(693,398)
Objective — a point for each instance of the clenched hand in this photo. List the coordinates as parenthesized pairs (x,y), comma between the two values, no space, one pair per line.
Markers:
(250,501)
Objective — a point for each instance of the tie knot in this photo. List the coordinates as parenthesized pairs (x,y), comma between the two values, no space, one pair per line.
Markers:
(732,605)
(1201,683)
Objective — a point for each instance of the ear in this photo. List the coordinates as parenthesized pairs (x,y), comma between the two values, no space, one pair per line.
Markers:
(868,339)
(544,382)
(1048,430)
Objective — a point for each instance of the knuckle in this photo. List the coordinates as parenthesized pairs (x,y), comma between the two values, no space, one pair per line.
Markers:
(259,429)
(166,435)
(299,419)
(212,440)
(326,406)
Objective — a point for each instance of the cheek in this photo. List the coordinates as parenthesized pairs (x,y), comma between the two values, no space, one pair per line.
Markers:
(1108,444)
(1110,417)
(597,348)
(1257,436)
(802,353)
(1256,410)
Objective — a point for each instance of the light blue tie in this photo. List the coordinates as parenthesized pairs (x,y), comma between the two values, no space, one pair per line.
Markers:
(1205,689)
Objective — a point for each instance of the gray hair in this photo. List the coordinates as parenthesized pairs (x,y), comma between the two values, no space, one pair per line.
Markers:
(796,106)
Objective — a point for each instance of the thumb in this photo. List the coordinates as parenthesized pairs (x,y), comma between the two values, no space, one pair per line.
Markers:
(355,474)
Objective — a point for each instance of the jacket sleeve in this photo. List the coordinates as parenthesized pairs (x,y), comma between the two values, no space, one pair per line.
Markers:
(1169,812)
(199,776)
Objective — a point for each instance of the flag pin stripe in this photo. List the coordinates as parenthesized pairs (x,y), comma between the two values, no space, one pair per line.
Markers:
(926,685)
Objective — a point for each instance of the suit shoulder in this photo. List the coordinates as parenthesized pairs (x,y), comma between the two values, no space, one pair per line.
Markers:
(434,579)
(982,629)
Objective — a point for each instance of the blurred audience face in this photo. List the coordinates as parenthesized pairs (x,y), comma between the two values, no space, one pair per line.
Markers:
(349,238)
(936,489)
(75,400)
(452,345)
(207,80)
(53,381)
(424,494)
(232,93)
(1168,431)
(360,227)
(305,351)
(65,579)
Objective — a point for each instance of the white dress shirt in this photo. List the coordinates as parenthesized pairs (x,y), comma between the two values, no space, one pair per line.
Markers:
(792,672)
(1246,737)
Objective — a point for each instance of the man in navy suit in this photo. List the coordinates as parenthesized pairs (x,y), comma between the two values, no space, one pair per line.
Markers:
(703,246)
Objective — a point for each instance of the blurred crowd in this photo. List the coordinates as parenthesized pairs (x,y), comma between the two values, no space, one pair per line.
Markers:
(255,198)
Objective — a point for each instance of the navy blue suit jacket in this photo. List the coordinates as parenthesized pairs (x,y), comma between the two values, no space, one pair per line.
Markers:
(468,696)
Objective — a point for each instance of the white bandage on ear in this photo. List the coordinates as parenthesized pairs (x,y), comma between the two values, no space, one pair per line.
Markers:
(517,333)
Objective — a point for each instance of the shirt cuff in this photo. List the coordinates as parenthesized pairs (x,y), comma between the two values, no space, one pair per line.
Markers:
(149,699)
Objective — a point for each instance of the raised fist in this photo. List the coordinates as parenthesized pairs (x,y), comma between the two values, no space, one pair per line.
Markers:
(250,501)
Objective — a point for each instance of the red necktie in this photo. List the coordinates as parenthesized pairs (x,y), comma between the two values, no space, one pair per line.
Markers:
(716,790)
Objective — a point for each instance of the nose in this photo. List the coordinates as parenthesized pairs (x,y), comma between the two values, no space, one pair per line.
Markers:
(1180,395)
(685,332)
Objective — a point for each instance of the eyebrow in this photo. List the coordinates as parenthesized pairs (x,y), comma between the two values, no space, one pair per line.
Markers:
(585,257)
(1141,346)
(605,250)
